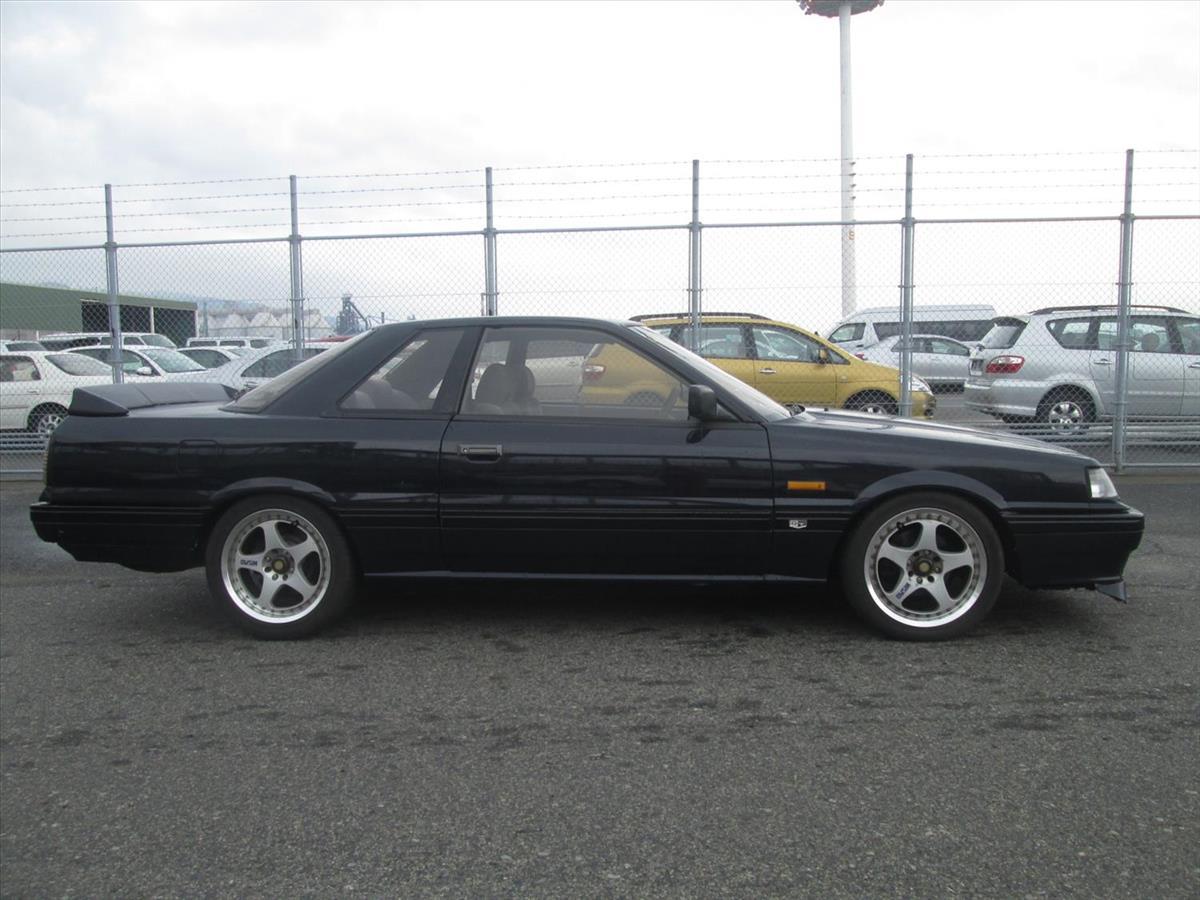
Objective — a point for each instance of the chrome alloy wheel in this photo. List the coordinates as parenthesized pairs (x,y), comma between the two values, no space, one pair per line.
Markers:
(275,566)
(925,567)
(1066,416)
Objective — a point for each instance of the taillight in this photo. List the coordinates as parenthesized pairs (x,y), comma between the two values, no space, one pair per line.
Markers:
(592,372)
(1005,365)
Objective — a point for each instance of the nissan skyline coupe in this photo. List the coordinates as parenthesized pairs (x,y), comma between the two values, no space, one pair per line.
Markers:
(496,448)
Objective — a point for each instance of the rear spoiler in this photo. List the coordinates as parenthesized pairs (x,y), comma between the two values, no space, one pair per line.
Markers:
(119,399)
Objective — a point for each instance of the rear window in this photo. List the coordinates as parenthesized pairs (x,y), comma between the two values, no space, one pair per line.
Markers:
(1004,333)
(158,340)
(262,396)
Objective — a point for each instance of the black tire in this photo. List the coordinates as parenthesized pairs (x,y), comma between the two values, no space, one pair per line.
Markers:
(898,567)
(877,402)
(1067,410)
(263,583)
(46,418)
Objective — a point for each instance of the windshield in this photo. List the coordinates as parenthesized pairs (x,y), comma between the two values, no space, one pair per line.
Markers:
(267,393)
(78,364)
(762,405)
(172,360)
(158,340)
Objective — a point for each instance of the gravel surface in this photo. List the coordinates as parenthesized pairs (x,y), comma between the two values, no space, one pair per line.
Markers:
(557,740)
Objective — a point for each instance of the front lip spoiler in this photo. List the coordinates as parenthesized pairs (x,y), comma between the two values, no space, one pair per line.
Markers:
(1114,589)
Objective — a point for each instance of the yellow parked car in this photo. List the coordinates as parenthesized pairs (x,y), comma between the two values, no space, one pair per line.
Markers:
(785,362)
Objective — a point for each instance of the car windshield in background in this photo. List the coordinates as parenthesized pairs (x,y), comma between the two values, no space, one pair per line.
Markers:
(172,360)
(759,402)
(1004,333)
(77,364)
(158,340)
(258,398)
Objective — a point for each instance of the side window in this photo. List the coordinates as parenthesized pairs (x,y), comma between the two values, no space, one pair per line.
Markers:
(1147,334)
(569,373)
(884,330)
(1073,333)
(1189,335)
(411,379)
(717,341)
(270,365)
(18,368)
(775,343)
(947,348)
(1150,335)
(851,331)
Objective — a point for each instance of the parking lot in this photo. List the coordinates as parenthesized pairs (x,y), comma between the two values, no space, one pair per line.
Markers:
(558,740)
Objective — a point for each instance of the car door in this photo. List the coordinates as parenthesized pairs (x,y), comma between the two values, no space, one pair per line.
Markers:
(790,367)
(1188,335)
(595,485)
(20,388)
(1156,367)
(947,360)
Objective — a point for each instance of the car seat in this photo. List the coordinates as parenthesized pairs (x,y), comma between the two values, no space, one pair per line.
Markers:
(497,390)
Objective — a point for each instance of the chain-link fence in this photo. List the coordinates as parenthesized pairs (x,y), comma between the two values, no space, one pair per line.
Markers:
(1007,292)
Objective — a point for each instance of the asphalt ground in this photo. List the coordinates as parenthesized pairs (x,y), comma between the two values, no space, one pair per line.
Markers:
(557,740)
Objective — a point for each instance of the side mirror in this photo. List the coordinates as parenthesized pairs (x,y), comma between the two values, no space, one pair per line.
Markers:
(823,356)
(702,402)
(144,370)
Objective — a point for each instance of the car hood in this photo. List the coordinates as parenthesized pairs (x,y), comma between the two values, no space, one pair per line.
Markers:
(890,428)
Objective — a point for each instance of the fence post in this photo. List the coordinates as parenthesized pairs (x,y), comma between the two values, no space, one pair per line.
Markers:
(116,354)
(907,233)
(490,298)
(694,267)
(296,268)
(1124,291)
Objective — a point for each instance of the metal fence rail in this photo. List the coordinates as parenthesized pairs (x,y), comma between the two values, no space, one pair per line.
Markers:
(302,259)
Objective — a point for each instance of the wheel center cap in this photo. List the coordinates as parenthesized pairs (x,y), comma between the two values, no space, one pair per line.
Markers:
(278,562)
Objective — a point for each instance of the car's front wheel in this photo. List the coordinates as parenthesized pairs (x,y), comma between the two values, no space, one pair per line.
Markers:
(923,567)
(875,402)
(279,567)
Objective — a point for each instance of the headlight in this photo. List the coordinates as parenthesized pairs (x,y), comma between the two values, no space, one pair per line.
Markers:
(1101,485)
(919,384)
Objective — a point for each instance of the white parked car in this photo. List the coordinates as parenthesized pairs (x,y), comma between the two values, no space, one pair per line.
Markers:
(867,327)
(942,361)
(211,357)
(72,340)
(259,366)
(36,387)
(150,362)
(245,343)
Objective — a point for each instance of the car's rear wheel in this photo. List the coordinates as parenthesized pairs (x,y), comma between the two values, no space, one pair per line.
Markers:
(279,567)
(923,566)
(1067,410)
(876,402)
(45,419)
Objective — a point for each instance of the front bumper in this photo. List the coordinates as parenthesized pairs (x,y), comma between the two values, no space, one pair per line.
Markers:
(1065,551)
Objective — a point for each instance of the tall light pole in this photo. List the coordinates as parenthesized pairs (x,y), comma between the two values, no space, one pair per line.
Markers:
(844,9)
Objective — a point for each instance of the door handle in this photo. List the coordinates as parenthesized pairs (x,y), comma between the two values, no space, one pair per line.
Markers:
(1195,365)
(767,371)
(481,452)
(1104,362)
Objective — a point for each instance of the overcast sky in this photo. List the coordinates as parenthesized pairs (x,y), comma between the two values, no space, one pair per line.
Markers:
(138,92)
(121,92)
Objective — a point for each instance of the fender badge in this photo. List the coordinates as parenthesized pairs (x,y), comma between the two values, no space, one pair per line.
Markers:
(798,524)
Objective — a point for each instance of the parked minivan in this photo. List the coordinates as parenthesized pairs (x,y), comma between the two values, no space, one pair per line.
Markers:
(866,327)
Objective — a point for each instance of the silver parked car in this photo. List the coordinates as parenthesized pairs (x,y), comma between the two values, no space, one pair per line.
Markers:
(941,361)
(1058,366)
